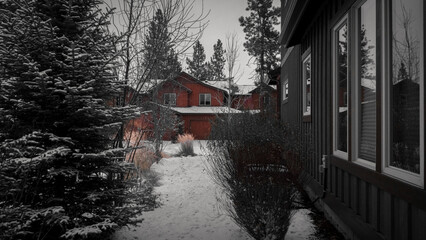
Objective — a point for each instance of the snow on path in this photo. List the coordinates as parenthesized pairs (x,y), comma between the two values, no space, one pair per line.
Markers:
(190,208)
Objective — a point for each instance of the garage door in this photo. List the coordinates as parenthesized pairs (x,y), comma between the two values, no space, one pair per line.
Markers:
(200,129)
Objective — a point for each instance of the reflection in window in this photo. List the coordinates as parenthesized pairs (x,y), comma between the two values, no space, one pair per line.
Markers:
(266,99)
(342,87)
(407,37)
(367,80)
(307,85)
(285,89)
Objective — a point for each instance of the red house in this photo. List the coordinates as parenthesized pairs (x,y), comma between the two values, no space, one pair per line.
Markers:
(252,97)
(196,103)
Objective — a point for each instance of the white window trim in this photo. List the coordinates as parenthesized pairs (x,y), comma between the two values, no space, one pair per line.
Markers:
(205,94)
(170,95)
(306,56)
(336,152)
(401,174)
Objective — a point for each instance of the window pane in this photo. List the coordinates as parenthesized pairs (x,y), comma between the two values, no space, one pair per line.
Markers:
(166,98)
(208,99)
(173,99)
(307,84)
(407,39)
(367,83)
(202,100)
(342,83)
(286,90)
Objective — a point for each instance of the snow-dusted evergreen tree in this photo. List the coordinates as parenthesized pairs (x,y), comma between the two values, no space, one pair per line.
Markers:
(197,67)
(160,57)
(262,35)
(217,61)
(59,175)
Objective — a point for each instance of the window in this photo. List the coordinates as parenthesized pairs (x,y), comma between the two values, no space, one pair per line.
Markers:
(205,99)
(307,83)
(119,101)
(340,84)
(365,82)
(169,99)
(403,85)
(285,90)
(386,58)
(266,98)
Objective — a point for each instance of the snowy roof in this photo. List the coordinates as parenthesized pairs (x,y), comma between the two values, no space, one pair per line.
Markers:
(204,110)
(149,85)
(222,85)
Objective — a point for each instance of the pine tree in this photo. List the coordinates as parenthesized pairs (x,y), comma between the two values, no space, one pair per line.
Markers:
(197,67)
(59,175)
(217,61)
(160,58)
(261,36)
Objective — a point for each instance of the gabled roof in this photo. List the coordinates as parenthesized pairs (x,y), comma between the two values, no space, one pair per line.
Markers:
(158,83)
(245,89)
(177,83)
(223,84)
(207,84)
(264,87)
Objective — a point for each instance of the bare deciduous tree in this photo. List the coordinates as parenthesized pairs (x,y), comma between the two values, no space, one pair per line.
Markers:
(130,22)
(232,53)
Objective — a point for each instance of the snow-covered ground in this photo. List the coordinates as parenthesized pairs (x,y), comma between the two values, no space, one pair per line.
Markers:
(190,208)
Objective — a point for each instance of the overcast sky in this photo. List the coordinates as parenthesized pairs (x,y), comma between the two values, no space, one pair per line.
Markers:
(223,19)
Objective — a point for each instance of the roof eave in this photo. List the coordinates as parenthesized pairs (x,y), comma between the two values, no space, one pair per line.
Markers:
(299,20)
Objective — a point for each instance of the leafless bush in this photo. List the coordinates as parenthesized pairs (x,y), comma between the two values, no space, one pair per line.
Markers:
(256,160)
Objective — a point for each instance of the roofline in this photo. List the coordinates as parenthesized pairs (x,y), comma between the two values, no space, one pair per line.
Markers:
(201,82)
(265,85)
(293,32)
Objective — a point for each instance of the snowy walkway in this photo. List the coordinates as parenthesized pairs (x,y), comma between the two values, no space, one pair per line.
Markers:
(190,209)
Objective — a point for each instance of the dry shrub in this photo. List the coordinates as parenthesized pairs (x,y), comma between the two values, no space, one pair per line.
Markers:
(186,145)
(246,161)
(143,158)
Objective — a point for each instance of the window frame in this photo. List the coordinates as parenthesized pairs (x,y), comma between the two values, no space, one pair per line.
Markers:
(285,91)
(266,98)
(205,94)
(306,57)
(344,20)
(356,89)
(401,174)
(170,97)
(119,101)
(383,90)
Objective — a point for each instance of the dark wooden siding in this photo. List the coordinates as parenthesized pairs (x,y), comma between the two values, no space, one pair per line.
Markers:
(395,210)
(291,70)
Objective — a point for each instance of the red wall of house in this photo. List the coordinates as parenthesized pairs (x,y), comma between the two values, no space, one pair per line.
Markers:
(197,88)
(217,97)
(181,94)
(254,101)
(243,102)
